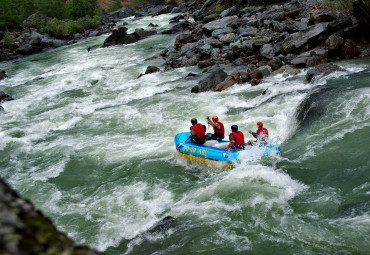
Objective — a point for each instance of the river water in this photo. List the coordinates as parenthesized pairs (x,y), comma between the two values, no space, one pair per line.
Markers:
(92,147)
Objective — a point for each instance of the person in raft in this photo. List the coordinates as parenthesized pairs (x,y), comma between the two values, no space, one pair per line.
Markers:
(218,129)
(236,139)
(261,135)
(197,132)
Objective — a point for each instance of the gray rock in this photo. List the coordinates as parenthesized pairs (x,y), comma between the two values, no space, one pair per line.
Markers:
(265,70)
(218,24)
(267,51)
(205,50)
(261,40)
(210,82)
(228,38)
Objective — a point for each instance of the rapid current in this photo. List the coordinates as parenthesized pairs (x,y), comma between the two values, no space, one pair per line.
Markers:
(92,146)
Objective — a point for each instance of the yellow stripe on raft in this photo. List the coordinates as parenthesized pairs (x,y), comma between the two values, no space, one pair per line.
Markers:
(221,164)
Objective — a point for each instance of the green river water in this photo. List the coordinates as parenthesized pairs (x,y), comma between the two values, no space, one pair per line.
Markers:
(93,147)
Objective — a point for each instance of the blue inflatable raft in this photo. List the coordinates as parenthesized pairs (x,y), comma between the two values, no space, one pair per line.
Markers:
(219,156)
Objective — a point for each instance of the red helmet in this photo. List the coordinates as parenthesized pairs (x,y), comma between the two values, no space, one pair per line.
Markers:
(259,124)
(214,118)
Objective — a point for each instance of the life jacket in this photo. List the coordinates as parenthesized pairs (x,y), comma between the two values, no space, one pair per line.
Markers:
(239,137)
(262,134)
(220,131)
(199,129)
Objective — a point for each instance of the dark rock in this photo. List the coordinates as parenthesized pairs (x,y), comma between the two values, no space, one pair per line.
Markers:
(349,49)
(152,69)
(210,82)
(230,80)
(321,69)
(256,74)
(3,75)
(25,230)
(5,97)
(178,28)
(206,63)
(255,82)
(120,36)
(162,225)
(190,75)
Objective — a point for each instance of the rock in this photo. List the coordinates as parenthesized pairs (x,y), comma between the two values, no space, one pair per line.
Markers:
(210,82)
(3,75)
(5,97)
(265,70)
(178,28)
(205,50)
(206,63)
(298,40)
(230,80)
(256,74)
(349,49)
(120,36)
(321,69)
(25,49)
(162,225)
(25,230)
(152,69)
(267,51)
(218,24)
(59,43)
(182,39)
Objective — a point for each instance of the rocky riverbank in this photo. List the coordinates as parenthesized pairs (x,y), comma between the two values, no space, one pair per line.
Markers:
(25,230)
(258,41)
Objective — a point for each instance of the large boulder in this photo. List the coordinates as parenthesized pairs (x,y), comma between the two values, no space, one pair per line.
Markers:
(120,36)
(210,82)
(218,24)
(298,40)
(26,230)
(230,80)
(321,69)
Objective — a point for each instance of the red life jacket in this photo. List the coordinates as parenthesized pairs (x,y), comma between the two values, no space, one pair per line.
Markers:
(239,137)
(262,133)
(199,129)
(221,130)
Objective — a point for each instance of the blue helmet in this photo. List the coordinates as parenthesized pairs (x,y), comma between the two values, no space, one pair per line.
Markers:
(234,128)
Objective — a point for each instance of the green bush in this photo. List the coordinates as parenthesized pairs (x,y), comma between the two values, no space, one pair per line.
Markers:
(9,40)
(63,28)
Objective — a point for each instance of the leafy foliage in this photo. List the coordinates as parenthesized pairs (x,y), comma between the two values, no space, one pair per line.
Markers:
(64,28)
(13,12)
(8,40)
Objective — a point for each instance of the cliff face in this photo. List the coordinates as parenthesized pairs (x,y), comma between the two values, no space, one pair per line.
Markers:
(25,230)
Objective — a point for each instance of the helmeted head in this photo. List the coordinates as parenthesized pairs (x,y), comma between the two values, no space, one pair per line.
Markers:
(234,128)
(194,121)
(259,124)
(214,118)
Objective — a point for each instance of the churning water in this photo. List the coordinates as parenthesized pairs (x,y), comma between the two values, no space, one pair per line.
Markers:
(92,147)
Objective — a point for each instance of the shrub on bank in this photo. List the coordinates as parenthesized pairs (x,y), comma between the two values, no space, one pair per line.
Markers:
(64,28)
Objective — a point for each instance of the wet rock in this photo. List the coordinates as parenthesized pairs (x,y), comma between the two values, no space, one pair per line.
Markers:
(210,82)
(120,36)
(162,225)
(5,97)
(178,28)
(234,78)
(3,75)
(321,69)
